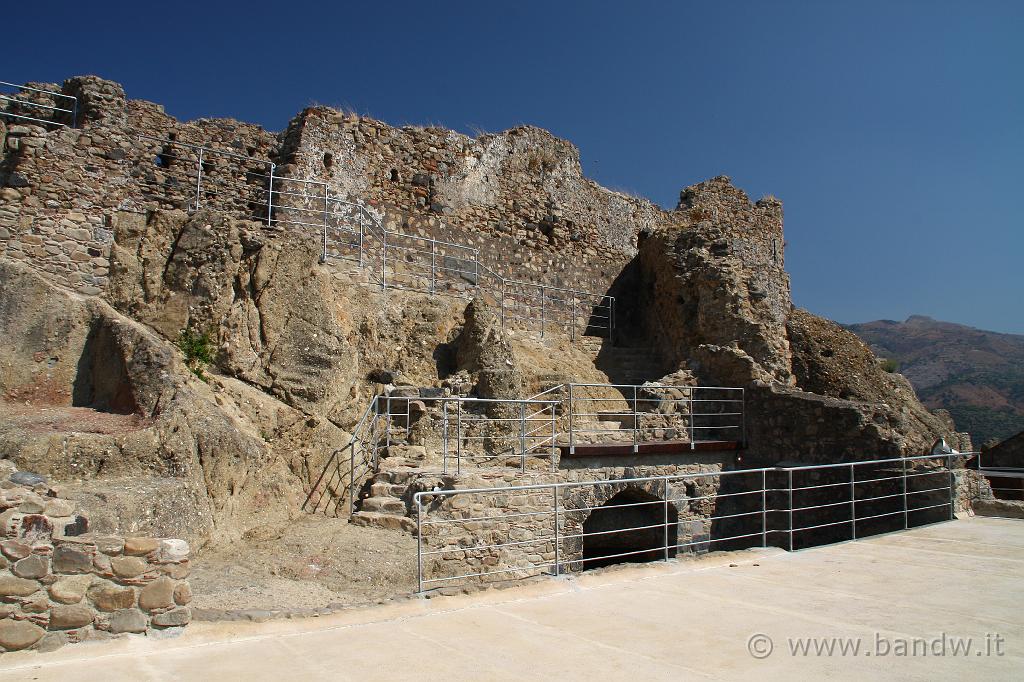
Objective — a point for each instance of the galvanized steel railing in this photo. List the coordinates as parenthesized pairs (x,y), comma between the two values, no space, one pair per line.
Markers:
(546,530)
(28,110)
(646,412)
(1005,475)
(517,432)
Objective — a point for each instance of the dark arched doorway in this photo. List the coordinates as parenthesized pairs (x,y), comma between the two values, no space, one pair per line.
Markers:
(629,528)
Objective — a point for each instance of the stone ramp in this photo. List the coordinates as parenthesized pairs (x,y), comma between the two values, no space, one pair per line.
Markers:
(679,620)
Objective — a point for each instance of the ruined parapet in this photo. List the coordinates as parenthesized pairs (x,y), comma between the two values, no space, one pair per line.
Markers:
(716,290)
(61,584)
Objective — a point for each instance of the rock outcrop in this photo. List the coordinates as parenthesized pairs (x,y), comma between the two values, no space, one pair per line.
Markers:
(484,350)
(716,294)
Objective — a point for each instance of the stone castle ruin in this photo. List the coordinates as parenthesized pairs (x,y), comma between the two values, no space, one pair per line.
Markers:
(208,327)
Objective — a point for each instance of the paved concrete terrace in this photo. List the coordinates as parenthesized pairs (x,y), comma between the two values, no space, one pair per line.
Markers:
(682,620)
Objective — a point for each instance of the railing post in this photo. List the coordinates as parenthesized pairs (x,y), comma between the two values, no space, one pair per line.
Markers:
(359,218)
(270,196)
(693,419)
(611,320)
(572,425)
(199,179)
(502,302)
(952,487)
(458,436)
(384,261)
(743,418)
(351,480)
(419,544)
(74,113)
(327,208)
(666,518)
(444,435)
(572,303)
(790,510)
(636,423)
(554,501)
(433,264)
(853,501)
(554,436)
(542,311)
(764,508)
(906,511)
(387,424)
(522,433)
(476,270)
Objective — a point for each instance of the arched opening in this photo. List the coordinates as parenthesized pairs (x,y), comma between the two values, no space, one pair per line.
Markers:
(629,528)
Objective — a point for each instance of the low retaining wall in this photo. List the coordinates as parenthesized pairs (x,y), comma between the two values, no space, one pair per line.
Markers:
(60,584)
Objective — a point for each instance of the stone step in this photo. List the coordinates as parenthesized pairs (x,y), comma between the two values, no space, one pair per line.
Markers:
(388,489)
(388,505)
(379,520)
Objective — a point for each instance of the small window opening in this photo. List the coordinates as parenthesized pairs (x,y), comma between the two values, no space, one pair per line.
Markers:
(328,159)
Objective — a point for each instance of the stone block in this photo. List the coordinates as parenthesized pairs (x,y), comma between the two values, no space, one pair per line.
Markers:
(182,593)
(140,546)
(70,590)
(15,549)
(110,597)
(19,634)
(128,620)
(173,618)
(172,550)
(159,594)
(13,586)
(71,560)
(128,566)
(68,616)
(32,566)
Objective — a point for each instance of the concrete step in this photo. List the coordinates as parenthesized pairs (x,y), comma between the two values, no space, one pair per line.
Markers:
(379,520)
(388,505)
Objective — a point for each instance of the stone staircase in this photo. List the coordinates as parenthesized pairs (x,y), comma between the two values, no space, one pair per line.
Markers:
(624,364)
(388,502)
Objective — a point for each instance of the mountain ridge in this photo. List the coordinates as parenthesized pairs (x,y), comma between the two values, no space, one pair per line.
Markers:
(975,374)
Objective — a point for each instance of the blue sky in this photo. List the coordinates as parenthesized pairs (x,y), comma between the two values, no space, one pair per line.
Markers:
(893,131)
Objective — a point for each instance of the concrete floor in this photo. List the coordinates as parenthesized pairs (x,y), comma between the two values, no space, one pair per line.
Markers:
(661,621)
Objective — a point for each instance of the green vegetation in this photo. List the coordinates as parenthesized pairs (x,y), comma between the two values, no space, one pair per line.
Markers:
(889,365)
(198,350)
(986,424)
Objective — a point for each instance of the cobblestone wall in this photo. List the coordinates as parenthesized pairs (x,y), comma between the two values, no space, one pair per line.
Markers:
(458,529)
(60,584)
(519,196)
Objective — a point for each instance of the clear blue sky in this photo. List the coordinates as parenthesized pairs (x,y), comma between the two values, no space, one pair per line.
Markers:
(893,131)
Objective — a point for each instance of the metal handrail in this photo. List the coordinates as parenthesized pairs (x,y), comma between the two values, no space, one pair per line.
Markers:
(28,103)
(516,553)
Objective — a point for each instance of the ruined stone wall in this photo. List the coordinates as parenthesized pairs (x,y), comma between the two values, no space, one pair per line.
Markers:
(452,527)
(519,196)
(61,584)
(61,188)
(715,293)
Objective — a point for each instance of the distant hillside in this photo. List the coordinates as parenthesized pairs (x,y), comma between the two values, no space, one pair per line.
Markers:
(977,375)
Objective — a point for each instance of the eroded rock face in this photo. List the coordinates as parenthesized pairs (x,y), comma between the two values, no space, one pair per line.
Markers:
(484,349)
(272,316)
(716,291)
(217,467)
